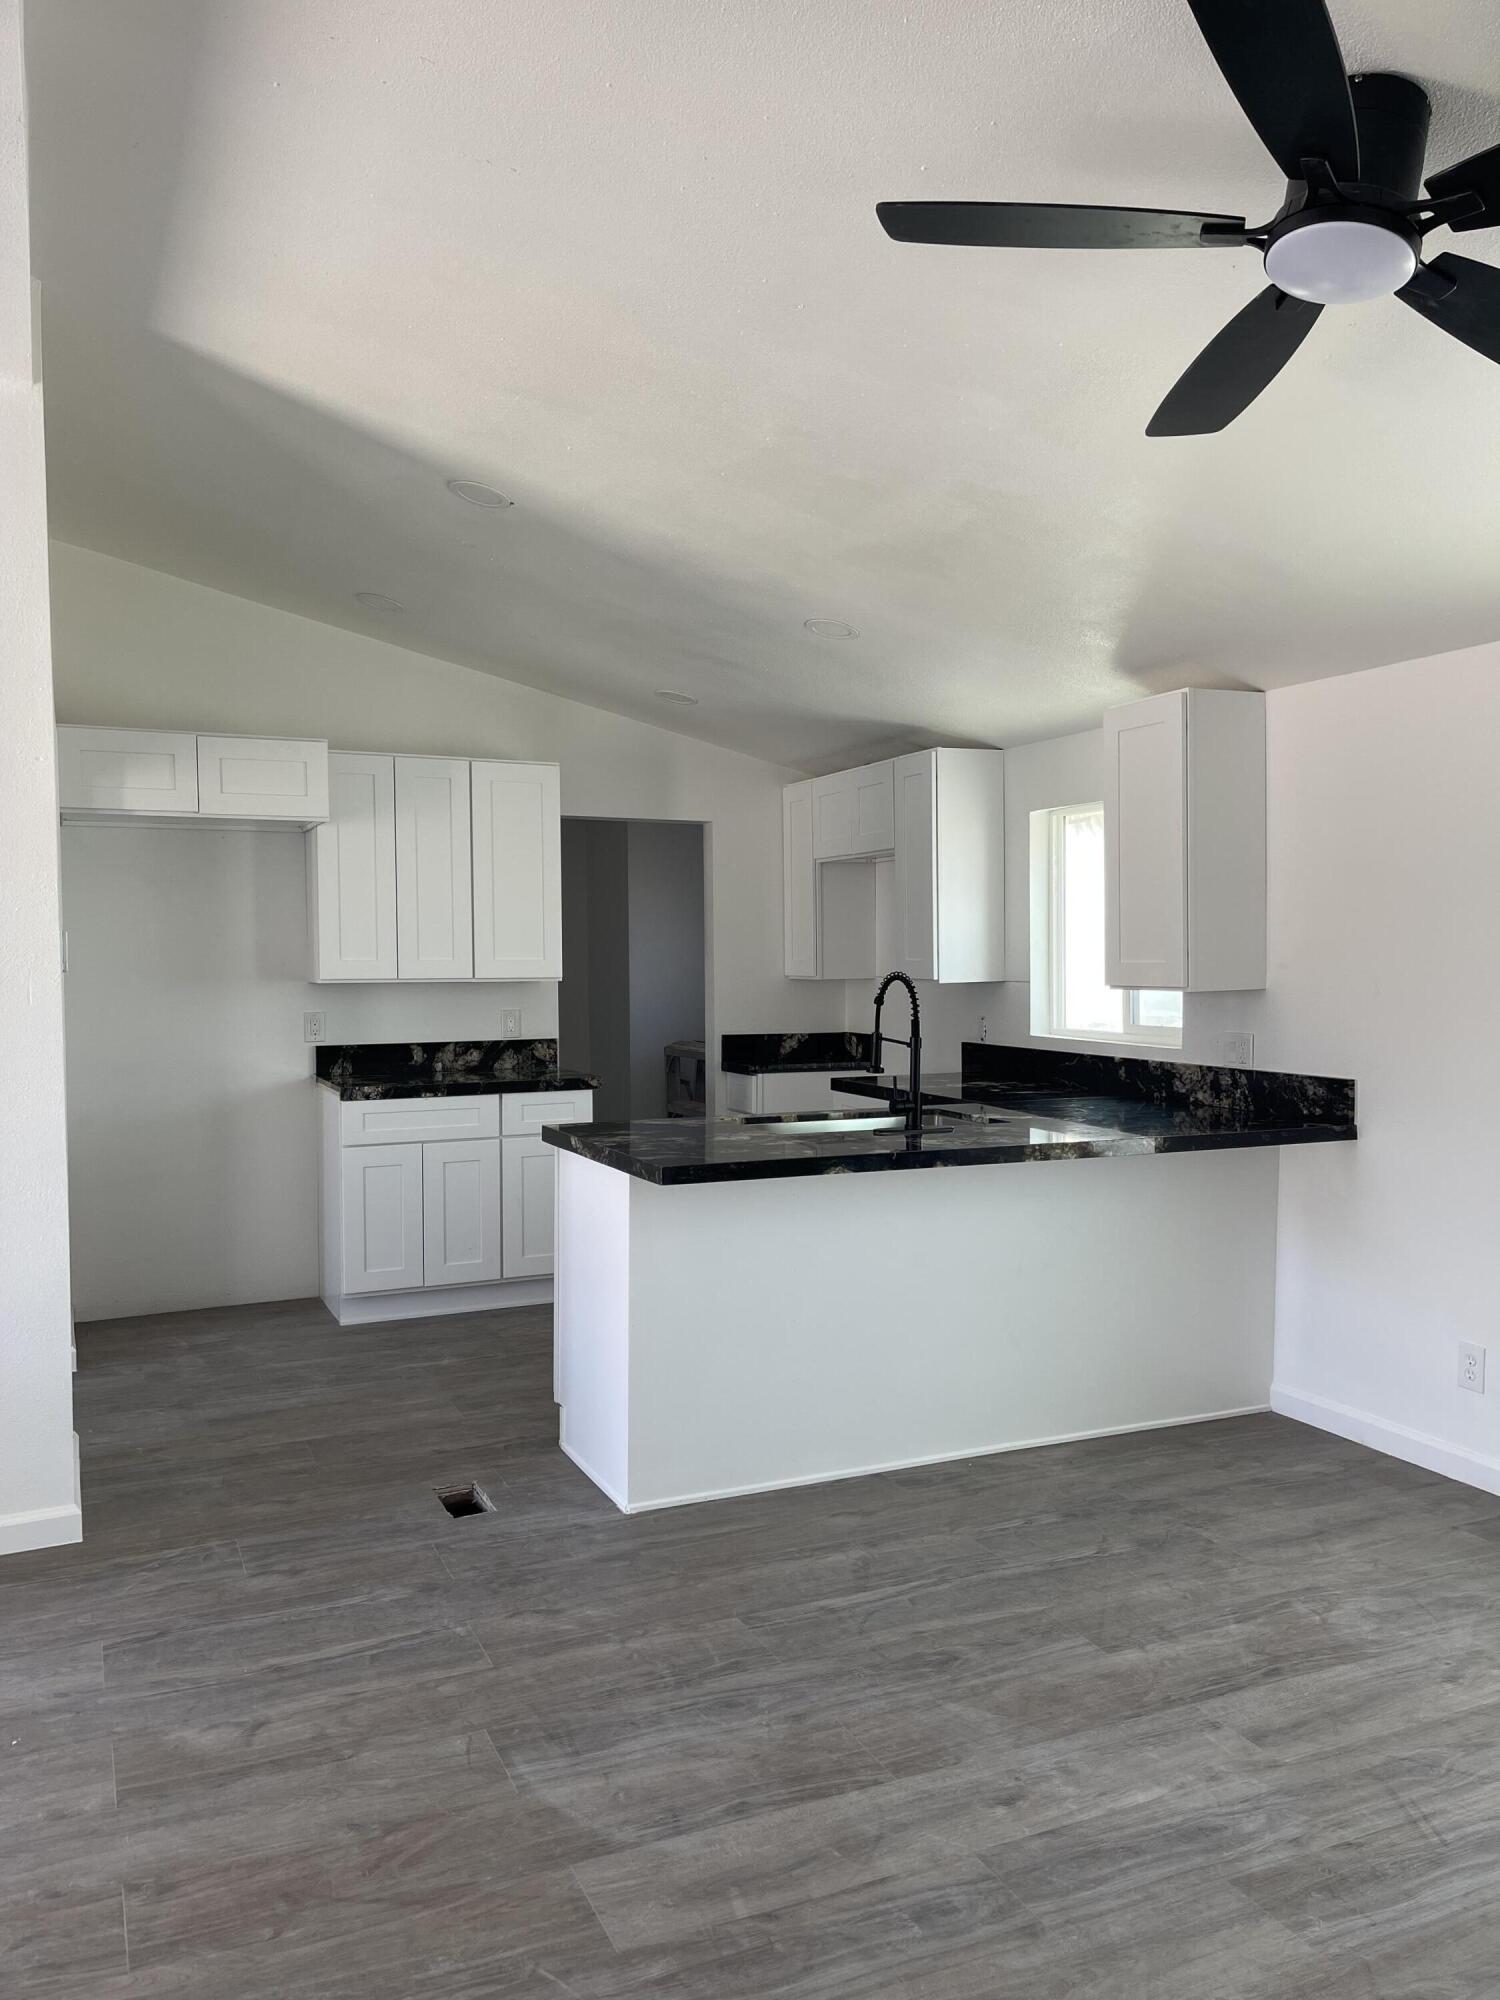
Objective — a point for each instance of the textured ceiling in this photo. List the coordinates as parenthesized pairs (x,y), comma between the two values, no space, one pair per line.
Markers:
(305,259)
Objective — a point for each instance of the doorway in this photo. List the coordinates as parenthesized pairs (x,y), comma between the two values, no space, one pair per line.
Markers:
(634,984)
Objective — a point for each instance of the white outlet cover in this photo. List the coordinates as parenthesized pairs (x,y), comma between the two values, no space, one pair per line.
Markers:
(1471,1367)
(510,1022)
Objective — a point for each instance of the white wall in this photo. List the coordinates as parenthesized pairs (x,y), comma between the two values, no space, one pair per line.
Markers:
(38,1500)
(1385,966)
(133,647)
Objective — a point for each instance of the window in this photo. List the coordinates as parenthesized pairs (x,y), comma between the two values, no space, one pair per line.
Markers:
(1068,995)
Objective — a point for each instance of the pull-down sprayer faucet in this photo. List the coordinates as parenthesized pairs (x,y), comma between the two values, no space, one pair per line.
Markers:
(914,1074)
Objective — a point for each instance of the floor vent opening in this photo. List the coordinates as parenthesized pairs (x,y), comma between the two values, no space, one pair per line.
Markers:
(462,1500)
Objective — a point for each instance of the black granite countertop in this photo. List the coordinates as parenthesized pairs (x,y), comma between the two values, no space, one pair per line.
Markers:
(445,1069)
(1027,1105)
(786,1055)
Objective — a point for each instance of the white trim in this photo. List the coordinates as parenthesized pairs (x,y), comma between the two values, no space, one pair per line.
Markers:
(1048,918)
(908,1464)
(604,1485)
(1434,1454)
(371,1308)
(45,1527)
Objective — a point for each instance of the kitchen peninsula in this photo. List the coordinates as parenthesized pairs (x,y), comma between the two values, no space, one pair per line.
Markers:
(724,1327)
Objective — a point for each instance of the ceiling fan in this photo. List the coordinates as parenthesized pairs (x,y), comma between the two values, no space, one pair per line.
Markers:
(1351,226)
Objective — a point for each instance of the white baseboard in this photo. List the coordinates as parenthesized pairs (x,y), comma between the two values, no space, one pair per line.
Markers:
(370,1308)
(1433,1454)
(603,1484)
(910,1464)
(45,1527)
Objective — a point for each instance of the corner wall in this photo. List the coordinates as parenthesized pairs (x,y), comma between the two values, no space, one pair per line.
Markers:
(1385,966)
(38,1496)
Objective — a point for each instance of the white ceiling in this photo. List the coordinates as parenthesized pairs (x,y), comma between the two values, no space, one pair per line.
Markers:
(304,259)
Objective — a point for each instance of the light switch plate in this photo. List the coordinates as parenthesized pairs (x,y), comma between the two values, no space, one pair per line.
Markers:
(510,1023)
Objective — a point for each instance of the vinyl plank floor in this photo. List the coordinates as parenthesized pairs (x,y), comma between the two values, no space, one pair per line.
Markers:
(1206,1711)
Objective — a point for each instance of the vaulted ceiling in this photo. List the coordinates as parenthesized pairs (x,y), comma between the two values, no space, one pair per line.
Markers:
(305,260)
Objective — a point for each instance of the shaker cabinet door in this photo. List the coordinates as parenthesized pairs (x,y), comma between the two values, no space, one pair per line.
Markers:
(434,896)
(517,871)
(382,1217)
(352,872)
(1145,842)
(529,1200)
(461,1211)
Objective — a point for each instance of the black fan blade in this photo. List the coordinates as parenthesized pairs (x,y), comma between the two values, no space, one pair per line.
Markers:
(1479,176)
(1236,365)
(1020,225)
(1282,60)
(1461,297)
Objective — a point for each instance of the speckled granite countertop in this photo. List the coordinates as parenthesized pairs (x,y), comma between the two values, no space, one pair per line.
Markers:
(1034,1105)
(786,1055)
(445,1069)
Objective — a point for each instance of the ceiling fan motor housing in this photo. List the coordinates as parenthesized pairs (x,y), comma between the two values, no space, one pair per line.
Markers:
(1332,249)
(1391,116)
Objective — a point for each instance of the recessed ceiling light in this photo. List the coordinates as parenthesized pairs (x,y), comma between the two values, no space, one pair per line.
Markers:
(376,600)
(477,493)
(828,628)
(674,694)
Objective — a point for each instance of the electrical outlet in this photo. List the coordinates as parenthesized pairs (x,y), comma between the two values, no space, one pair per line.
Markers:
(984,1028)
(510,1023)
(1235,1051)
(314,1026)
(1471,1367)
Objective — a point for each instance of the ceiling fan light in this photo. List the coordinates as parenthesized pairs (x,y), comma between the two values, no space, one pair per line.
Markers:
(1340,262)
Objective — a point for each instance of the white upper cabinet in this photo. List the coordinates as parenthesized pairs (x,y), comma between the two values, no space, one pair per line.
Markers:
(923,888)
(263,777)
(799,908)
(434,894)
(517,871)
(156,774)
(1185,842)
(436,868)
(351,872)
(126,771)
(854,812)
(950,866)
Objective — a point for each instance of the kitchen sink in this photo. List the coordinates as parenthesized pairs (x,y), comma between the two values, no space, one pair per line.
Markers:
(799,1122)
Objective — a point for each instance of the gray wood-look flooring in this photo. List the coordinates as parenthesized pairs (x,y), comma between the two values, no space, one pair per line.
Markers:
(1202,1714)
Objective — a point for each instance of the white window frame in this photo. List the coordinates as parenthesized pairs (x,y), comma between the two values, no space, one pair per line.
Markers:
(1048,896)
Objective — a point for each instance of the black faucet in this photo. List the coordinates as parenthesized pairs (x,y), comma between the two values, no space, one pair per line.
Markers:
(914,1073)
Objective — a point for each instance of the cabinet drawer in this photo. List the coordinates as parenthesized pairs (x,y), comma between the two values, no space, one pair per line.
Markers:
(523,1111)
(385,1121)
(126,770)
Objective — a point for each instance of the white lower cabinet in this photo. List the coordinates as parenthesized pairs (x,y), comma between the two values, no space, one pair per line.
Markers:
(528,1206)
(461,1212)
(381,1233)
(427,1209)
